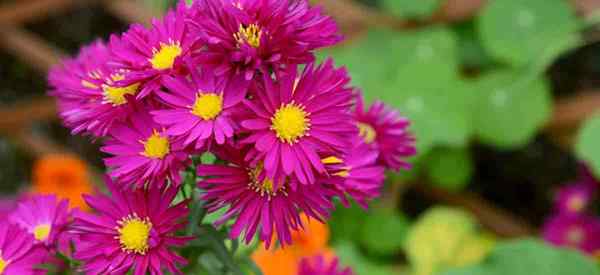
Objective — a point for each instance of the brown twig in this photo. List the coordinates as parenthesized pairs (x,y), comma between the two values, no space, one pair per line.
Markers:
(21,115)
(130,11)
(30,48)
(19,12)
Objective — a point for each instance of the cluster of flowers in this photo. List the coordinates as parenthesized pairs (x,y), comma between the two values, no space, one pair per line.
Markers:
(572,224)
(237,79)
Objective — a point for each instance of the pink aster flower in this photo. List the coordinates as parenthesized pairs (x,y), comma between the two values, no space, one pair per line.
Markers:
(387,131)
(257,204)
(574,198)
(580,232)
(19,253)
(199,109)
(44,217)
(143,153)
(356,174)
(7,204)
(150,54)
(319,265)
(88,97)
(133,230)
(297,117)
(243,37)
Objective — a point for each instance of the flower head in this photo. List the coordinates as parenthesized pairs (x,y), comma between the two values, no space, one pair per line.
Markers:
(44,217)
(64,175)
(199,110)
(298,117)
(244,37)
(319,265)
(386,131)
(574,198)
(580,232)
(134,230)
(149,54)
(19,254)
(256,203)
(89,99)
(144,153)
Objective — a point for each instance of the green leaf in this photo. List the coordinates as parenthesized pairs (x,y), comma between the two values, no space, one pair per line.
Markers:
(510,109)
(587,148)
(343,223)
(517,31)
(384,231)
(411,8)
(450,168)
(350,256)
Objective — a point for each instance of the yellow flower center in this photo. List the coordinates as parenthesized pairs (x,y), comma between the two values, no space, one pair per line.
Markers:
(207,106)
(265,186)
(290,122)
(250,34)
(116,95)
(156,146)
(41,232)
(134,233)
(367,132)
(3,264)
(576,203)
(164,57)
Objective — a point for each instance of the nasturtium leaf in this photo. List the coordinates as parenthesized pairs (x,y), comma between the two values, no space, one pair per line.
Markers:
(411,8)
(587,148)
(450,168)
(383,231)
(510,108)
(344,225)
(517,31)
(350,256)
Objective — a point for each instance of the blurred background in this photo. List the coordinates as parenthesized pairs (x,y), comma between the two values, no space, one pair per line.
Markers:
(501,94)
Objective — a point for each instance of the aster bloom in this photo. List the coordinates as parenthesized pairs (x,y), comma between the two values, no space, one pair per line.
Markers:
(574,198)
(150,54)
(256,203)
(18,252)
(580,232)
(44,217)
(199,110)
(357,174)
(245,36)
(319,265)
(387,131)
(143,153)
(134,230)
(63,175)
(89,99)
(297,117)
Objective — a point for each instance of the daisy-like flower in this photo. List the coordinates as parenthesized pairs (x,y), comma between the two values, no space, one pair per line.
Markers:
(44,217)
(574,198)
(387,131)
(143,153)
(580,232)
(199,110)
(297,117)
(319,265)
(357,174)
(19,254)
(256,203)
(134,230)
(243,37)
(88,97)
(150,54)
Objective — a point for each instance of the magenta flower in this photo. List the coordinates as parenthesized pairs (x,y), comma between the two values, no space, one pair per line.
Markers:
(580,232)
(133,230)
(199,109)
(319,265)
(356,174)
(574,198)
(298,117)
(150,54)
(44,217)
(7,205)
(19,253)
(257,203)
(88,97)
(387,131)
(246,36)
(143,153)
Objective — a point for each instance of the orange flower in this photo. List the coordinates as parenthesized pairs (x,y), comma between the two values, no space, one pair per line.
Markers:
(311,241)
(64,175)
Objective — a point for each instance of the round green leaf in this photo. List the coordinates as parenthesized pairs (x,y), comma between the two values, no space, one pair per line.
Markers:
(587,148)
(510,109)
(450,168)
(383,232)
(411,8)
(515,31)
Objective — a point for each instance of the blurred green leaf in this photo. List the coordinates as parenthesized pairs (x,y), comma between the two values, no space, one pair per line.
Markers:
(343,223)
(450,168)
(384,231)
(517,31)
(510,109)
(586,147)
(350,256)
(411,8)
